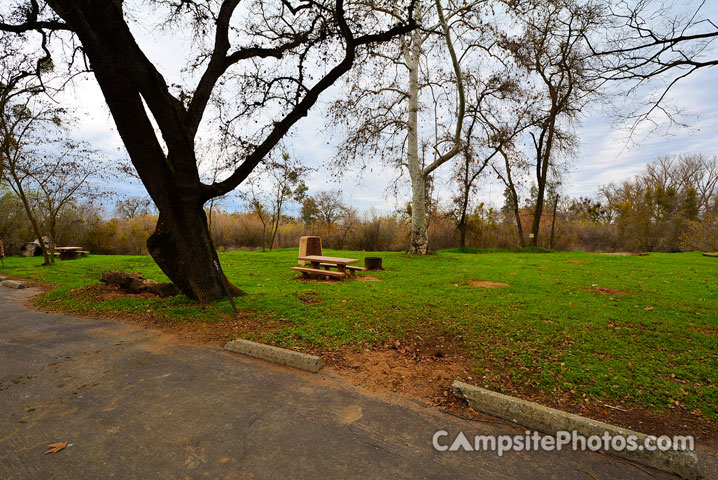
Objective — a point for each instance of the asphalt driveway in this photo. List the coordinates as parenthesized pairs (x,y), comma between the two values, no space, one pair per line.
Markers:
(133,403)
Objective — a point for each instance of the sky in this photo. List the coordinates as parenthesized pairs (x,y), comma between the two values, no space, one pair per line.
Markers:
(606,153)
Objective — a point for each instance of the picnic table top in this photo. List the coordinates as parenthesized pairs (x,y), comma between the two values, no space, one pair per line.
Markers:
(337,260)
(68,248)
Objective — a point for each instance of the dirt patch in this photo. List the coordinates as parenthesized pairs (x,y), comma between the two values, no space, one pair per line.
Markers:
(419,368)
(575,262)
(331,281)
(367,278)
(425,369)
(625,254)
(485,284)
(609,291)
(705,330)
(309,297)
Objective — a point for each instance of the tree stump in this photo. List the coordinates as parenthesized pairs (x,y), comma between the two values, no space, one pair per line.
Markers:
(373,263)
(136,283)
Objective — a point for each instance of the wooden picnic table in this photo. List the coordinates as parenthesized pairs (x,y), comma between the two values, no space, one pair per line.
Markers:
(68,253)
(319,261)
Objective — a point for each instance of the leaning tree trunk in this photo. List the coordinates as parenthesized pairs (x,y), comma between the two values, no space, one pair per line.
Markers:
(182,247)
(30,216)
(134,90)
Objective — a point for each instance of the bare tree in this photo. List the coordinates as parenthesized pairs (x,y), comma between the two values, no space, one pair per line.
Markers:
(329,207)
(133,206)
(61,177)
(408,104)
(513,160)
(497,115)
(24,119)
(275,184)
(279,56)
(553,50)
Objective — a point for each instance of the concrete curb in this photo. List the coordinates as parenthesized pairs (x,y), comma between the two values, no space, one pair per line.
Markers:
(549,420)
(12,284)
(303,361)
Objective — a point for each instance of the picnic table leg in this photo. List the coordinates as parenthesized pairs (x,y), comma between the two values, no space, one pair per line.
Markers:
(318,266)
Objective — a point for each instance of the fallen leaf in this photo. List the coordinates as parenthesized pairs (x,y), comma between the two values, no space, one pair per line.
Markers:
(648,309)
(56,447)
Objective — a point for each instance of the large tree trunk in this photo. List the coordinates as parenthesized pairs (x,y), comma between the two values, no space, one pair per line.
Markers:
(419,218)
(181,244)
(183,248)
(419,242)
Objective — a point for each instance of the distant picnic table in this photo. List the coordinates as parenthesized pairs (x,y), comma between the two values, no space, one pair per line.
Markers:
(322,266)
(70,253)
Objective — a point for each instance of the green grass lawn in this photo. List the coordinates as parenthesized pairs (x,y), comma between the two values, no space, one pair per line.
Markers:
(550,330)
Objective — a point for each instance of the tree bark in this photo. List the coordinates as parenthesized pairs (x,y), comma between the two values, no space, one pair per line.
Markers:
(542,163)
(182,247)
(419,217)
(181,244)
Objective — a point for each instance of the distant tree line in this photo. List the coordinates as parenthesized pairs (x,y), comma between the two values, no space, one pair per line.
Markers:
(671,206)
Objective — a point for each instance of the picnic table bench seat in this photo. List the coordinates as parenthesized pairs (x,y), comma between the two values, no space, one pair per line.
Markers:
(318,271)
(348,267)
(355,268)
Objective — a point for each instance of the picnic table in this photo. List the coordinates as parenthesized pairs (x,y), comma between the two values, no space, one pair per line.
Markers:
(342,265)
(69,253)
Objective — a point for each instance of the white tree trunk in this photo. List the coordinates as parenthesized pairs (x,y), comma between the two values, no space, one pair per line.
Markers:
(419,222)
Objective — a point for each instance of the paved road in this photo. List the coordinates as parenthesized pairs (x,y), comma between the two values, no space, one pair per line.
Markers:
(133,404)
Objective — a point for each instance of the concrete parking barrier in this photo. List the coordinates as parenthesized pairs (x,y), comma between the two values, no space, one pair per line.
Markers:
(550,421)
(12,284)
(282,356)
